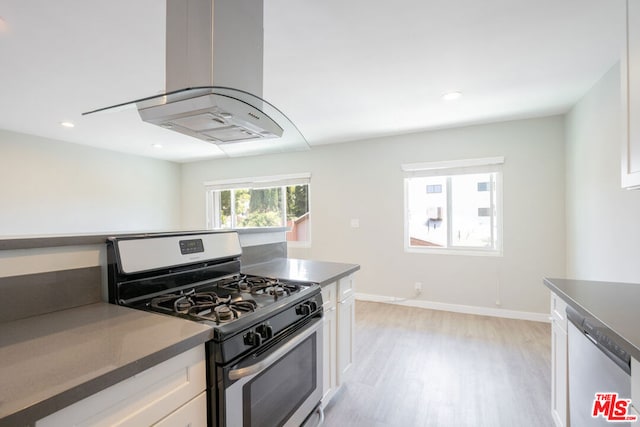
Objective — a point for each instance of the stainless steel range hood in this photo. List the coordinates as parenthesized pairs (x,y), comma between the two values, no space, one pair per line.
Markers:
(214,70)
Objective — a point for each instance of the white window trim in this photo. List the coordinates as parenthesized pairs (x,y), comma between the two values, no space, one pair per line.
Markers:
(256,182)
(455,167)
(268,181)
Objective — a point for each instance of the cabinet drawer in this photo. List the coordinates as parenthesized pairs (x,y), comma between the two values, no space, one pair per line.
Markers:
(143,399)
(345,288)
(329,296)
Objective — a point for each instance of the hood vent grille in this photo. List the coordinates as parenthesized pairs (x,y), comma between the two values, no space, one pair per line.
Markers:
(215,118)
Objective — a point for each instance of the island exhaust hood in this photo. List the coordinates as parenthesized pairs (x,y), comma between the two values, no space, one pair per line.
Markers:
(214,71)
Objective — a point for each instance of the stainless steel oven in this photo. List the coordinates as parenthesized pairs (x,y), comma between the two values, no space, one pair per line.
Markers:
(278,386)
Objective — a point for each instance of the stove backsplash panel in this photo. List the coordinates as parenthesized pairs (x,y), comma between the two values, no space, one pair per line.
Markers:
(263,253)
(40,293)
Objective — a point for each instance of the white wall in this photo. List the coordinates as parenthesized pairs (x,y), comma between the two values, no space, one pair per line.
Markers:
(603,221)
(54,187)
(363,180)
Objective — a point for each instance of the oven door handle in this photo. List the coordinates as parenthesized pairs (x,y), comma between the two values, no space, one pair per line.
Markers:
(236,374)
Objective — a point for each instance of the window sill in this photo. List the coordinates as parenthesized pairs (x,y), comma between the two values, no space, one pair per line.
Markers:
(449,251)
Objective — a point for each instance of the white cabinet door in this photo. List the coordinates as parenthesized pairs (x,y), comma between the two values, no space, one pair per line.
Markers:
(559,378)
(559,362)
(339,321)
(346,324)
(630,91)
(329,372)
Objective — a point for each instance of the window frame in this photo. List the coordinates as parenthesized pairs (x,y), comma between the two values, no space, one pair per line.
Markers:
(214,188)
(447,169)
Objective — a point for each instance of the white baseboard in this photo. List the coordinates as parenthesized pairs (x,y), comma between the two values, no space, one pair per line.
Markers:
(457,308)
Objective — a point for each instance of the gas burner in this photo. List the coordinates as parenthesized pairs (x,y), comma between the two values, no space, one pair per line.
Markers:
(204,305)
(243,286)
(223,313)
(256,285)
(229,311)
(275,290)
(186,302)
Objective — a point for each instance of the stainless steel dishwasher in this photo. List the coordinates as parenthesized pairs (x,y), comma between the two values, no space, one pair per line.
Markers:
(597,364)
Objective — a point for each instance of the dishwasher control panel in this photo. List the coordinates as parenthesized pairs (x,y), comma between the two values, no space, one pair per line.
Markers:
(601,336)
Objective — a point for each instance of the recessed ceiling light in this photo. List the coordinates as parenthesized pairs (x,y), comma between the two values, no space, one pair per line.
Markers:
(67,124)
(450,96)
(157,146)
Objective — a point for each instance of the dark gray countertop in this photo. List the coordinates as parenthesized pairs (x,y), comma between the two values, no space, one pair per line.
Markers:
(51,361)
(321,272)
(616,305)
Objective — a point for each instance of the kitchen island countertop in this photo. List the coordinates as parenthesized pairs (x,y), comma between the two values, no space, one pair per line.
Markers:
(321,272)
(616,305)
(54,360)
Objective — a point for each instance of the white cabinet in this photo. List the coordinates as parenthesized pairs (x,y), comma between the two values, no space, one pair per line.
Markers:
(339,321)
(630,91)
(346,326)
(171,393)
(330,337)
(559,371)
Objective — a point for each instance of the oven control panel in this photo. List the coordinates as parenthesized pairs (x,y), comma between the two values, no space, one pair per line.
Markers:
(191,246)
(147,253)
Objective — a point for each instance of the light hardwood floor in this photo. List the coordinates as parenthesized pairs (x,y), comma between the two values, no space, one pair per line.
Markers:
(418,367)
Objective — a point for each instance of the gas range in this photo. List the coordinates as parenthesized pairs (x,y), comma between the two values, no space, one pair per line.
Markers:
(262,327)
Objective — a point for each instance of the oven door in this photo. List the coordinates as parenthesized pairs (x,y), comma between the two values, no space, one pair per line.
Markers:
(281,387)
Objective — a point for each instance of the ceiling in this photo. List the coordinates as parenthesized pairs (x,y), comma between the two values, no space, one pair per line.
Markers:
(341,70)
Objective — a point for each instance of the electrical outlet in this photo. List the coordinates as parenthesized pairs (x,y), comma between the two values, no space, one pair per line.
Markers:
(418,287)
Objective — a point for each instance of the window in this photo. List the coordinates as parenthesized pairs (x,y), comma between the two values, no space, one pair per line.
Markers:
(261,202)
(460,211)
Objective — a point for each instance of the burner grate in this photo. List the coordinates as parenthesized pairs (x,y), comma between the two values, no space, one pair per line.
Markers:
(204,305)
(256,285)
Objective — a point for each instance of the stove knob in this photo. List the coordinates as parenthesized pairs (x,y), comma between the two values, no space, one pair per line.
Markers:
(252,339)
(303,309)
(265,331)
(313,306)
